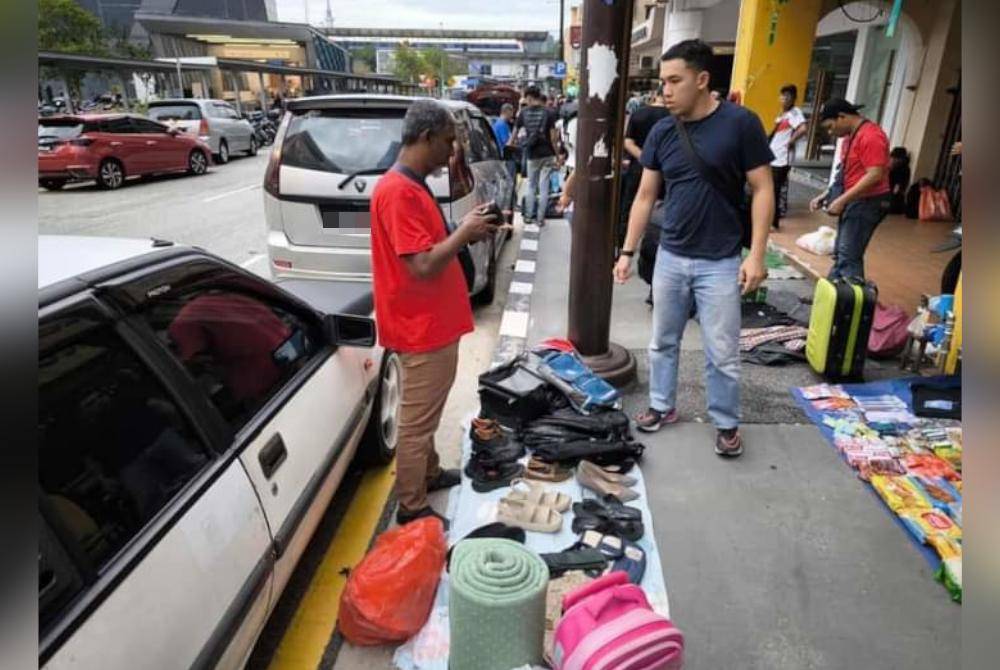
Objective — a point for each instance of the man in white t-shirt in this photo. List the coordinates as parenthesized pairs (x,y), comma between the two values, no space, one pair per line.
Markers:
(788,127)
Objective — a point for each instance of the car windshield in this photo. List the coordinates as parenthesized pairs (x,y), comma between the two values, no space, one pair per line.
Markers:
(183,112)
(53,131)
(343,141)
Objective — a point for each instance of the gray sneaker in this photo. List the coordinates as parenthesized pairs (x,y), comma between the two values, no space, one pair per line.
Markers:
(728,443)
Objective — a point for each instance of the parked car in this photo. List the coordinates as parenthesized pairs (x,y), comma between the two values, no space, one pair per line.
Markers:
(194,421)
(215,122)
(326,161)
(110,148)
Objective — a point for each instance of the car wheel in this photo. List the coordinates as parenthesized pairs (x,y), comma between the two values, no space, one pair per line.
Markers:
(252,151)
(110,174)
(197,163)
(488,292)
(223,152)
(53,184)
(378,446)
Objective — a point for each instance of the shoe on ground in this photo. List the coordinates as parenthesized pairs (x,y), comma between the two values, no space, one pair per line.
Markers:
(444,480)
(651,420)
(404,517)
(728,443)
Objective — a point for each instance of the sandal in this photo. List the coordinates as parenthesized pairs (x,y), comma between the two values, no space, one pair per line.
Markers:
(489,478)
(538,518)
(610,546)
(608,507)
(632,562)
(575,558)
(536,494)
(546,472)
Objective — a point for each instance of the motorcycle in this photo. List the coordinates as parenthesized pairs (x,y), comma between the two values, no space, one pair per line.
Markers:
(264,130)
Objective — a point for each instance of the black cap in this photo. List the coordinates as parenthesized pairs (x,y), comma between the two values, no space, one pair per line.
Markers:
(834,107)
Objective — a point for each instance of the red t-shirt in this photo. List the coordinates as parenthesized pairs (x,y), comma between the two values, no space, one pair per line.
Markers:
(414,315)
(869,147)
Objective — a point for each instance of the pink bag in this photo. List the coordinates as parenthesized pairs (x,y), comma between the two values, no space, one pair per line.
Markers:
(608,625)
(888,334)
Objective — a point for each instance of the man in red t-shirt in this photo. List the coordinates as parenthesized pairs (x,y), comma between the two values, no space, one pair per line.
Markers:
(421,300)
(861,186)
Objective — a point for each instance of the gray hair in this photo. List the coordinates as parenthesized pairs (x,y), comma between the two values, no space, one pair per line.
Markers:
(428,116)
(507,107)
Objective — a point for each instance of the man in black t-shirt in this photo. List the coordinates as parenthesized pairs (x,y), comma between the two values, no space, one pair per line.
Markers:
(700,239)
(539,144)
(639,125)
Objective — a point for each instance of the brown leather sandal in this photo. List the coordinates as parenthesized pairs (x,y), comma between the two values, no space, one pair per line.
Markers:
(546,472)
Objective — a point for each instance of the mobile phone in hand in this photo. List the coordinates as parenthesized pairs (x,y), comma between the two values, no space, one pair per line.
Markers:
(492,211)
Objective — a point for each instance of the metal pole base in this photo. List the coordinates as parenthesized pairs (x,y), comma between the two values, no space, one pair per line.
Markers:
(616,366)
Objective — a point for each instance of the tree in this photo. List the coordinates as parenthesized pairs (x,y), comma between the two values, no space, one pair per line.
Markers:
(439,65)
(366,55)
(66,27)
(408,63)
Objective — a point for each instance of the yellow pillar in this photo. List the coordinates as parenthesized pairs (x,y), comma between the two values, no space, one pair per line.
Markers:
(770,54)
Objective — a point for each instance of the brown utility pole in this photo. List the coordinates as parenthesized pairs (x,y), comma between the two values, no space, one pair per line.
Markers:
(607,37)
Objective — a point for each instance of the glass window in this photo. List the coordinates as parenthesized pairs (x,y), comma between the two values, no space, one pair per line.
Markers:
(147,126)
(59,579)
(484,141)
(117,125)
(175,112)
(239,347)
(114,447)
(343,141)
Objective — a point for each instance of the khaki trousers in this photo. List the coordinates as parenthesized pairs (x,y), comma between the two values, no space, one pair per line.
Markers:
(427,379)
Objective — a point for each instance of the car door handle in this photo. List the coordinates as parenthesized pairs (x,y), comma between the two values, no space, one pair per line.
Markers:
(272,455)
(116,144)
(150,142)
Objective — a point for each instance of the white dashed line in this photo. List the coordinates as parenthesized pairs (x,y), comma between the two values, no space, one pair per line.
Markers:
(220,196)
(520,287)
(514,324)
(525,266)
(529,245)
(531,228)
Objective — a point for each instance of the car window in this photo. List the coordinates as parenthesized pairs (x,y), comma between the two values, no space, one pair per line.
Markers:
(482,146)
(175,112)
(60,580)
(114,446)
(343,141)
(223,111)
(147,126)
(240,347)
(117,125)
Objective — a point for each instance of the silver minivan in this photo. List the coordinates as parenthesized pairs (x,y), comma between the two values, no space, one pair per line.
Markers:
(216,122)
(327,158)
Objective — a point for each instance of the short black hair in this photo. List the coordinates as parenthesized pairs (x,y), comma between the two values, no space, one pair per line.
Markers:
(696,54)
(791,89)
(532,92)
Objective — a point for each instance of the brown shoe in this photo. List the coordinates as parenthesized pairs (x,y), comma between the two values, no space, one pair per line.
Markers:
(728,443)
(600,473)
(589,479)
(546,472)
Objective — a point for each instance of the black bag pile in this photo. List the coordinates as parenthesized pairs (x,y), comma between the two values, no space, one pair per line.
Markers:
(565,437)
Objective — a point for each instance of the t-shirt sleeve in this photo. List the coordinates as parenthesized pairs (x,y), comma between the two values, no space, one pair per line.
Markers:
(630,128)
(796,118)
(755,148)
(873,150)
(550,122)
(404,219)
(648,157)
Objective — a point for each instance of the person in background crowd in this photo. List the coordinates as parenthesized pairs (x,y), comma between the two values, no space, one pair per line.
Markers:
(861,188)
(788,128)
(569,144)
(699,258)
(539,145)
(503,125)
(899,179)
(421,297)
(634,102)
(639,125)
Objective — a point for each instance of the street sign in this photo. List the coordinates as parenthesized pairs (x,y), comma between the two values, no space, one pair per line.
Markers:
(559,69)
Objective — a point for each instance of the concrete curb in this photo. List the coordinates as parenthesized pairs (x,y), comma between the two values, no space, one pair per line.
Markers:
(514,324)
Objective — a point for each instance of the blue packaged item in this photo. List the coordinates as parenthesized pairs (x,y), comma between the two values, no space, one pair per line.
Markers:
(585,390)
(943,496)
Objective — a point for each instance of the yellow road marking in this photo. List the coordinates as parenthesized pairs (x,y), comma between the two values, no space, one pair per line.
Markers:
(311,628)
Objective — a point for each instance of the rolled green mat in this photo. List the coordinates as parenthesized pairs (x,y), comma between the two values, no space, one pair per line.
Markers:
(496,605)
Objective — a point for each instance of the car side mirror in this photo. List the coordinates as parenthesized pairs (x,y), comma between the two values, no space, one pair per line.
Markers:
(349,331)
(173,132)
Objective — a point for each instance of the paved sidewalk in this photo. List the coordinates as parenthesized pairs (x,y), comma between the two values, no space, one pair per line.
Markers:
(780,559)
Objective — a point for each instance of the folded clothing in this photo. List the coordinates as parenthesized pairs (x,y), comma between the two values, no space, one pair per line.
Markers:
(496,605)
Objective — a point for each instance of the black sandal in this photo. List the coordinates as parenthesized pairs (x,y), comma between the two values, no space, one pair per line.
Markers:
(490,478)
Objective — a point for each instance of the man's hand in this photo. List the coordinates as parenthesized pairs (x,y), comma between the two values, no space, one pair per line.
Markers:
(816,203)
(752,273)
(477,225)
(564,200)
(623,269)
(836,208)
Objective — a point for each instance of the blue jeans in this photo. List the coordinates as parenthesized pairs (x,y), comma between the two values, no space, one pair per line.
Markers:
(714,287)
(539,180)
(855,228)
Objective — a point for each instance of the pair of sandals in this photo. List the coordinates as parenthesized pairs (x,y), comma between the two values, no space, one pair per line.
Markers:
(596,553)
(532,507)
(608,516)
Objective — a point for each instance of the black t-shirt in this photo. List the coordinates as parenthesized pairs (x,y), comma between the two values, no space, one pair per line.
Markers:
(539,123)
(699,221)
(639,126)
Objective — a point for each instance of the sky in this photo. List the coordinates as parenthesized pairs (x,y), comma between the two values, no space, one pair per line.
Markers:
(453,14)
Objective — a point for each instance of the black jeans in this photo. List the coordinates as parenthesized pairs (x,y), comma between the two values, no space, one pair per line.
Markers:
(854,231)
(780,192)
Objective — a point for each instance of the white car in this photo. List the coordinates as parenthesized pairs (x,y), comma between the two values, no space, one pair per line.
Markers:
(327,159)
(194,423)
(215,122)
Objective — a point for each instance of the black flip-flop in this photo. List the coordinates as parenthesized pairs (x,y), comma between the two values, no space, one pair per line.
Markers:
(575,558)
(492,478)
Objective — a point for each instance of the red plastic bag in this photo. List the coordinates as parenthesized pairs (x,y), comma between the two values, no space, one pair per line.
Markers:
(934,204)
(389,594)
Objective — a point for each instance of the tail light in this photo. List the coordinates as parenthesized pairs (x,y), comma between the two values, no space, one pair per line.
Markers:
(203,128)
(272,176)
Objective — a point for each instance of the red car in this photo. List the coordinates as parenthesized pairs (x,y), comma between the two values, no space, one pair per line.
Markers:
(111,147)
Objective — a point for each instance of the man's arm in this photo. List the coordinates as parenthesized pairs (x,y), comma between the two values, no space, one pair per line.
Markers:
(638,219)
(633,149)
(872,176)
(753,271)
(798,133)
(567,190)
(429,264)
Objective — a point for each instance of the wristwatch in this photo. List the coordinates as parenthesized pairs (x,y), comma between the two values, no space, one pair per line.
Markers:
(623,252)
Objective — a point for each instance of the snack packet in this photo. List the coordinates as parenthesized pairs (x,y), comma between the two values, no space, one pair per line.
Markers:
(929,465)
(943,496)
(951,455)
(900,492)
(950,572)
(880,466)
(926,523)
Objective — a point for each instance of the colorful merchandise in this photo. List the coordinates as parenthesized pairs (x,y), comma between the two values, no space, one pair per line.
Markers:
(880,466)
(943,496)
(950,572)
(824,391)
(833,404)
(929,465)
(951,455)
(926,523)
(900,492)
